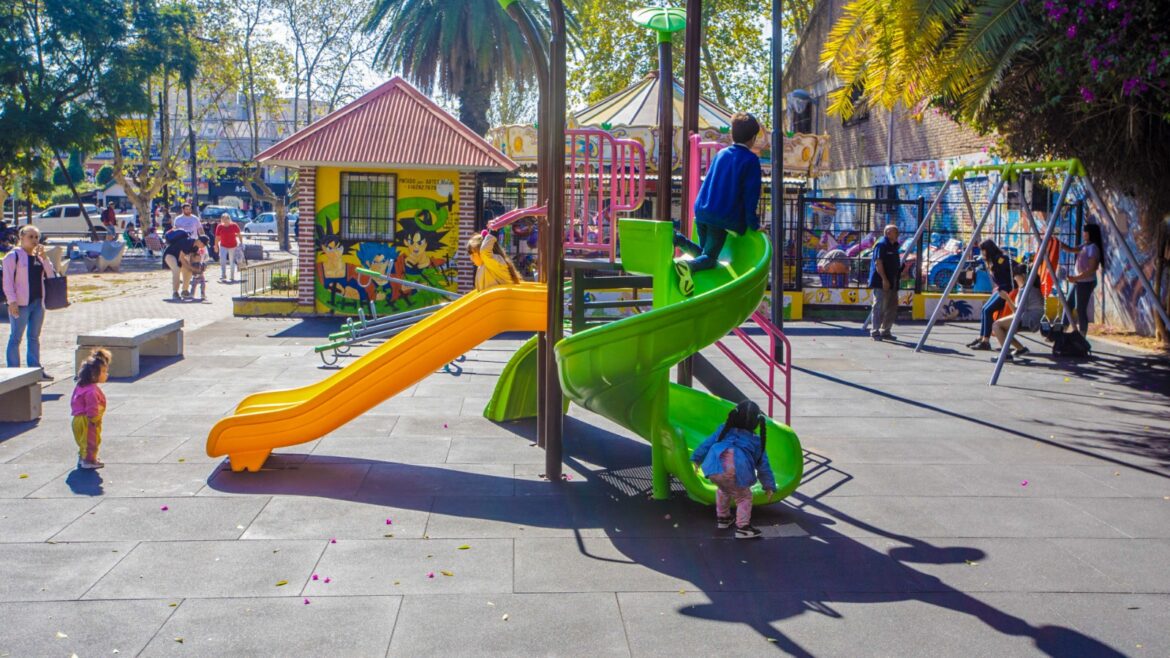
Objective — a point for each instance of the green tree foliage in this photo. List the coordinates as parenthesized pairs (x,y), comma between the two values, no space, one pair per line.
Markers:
(1055,78)
(615,52)
(104,176)
(465,48)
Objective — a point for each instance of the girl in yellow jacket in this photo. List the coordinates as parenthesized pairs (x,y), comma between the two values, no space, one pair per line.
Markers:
(494,268)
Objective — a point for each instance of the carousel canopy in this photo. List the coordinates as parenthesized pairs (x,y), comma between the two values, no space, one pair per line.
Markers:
(637,106)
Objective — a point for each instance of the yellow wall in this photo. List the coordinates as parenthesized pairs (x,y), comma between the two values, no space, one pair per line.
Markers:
(427,208)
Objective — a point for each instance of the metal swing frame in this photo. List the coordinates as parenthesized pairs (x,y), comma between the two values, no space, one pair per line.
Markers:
(1009,173)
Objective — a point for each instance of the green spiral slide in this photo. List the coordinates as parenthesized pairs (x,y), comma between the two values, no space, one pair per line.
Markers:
(622,370)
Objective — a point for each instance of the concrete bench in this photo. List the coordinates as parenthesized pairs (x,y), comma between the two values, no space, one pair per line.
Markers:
(20,394)
(128,340)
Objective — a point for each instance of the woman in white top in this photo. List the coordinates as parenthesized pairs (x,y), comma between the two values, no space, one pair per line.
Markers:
(1090,257)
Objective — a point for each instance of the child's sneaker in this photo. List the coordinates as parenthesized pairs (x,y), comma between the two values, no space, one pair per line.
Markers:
(723,522)
(747,532)
(686,284)
(95,464)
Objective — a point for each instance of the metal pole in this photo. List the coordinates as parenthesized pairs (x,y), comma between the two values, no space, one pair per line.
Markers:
(962,259)
(1128,251)
(690,125)
(665,126)
(777,233)
(553,419)
(917,236)
(1033,272)
(191,147)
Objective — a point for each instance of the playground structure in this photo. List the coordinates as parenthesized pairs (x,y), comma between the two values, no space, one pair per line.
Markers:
(1010,174)
(620,370)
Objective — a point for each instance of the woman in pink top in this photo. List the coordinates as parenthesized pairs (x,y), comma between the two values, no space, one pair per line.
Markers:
(25,269)
(89,406)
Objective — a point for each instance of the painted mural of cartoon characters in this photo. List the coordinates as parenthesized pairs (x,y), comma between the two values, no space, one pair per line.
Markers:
(422,257)
(337,276)
(381,258)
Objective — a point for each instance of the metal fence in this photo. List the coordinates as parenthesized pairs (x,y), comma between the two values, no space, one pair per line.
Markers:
(269,278)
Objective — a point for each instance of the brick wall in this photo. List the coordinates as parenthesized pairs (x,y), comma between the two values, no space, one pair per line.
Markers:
(865,142)
(463,265)
(306,241)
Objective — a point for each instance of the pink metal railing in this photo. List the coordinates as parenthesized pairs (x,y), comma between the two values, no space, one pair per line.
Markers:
(701,155)
(766,352)
(604,176)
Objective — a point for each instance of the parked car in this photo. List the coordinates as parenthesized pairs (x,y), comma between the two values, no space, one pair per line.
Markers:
(213,213)
(265,224)
(66,218)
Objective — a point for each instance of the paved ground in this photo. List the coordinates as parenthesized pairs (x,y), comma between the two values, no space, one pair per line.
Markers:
(938,517)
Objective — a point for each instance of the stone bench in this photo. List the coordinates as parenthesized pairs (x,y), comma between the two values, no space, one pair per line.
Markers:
(20,394)
(128,340)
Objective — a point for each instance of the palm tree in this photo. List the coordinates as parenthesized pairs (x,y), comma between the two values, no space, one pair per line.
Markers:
(468,47)
(952,53)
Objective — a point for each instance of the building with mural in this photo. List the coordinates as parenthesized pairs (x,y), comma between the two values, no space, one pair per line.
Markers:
(881,154)
(390,181)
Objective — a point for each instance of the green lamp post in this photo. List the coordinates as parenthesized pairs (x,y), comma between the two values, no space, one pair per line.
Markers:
(664,21)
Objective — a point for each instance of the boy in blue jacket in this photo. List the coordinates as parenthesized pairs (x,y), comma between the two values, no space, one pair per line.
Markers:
(731,458)
(726,201)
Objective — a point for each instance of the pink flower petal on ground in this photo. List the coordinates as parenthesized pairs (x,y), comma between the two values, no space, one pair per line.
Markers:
(327,580)
(568,476)
(444,425)
(430,574)
(1024,483)
(389,522)
(164,508)
(314,576)
(306,601)
(332,541)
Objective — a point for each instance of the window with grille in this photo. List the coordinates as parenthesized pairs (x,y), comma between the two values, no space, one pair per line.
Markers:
(368,206)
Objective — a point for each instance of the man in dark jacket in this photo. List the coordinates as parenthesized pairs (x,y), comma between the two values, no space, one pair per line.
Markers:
(883,280)
(726,201)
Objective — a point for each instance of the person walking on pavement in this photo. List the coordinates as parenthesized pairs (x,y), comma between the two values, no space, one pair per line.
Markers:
(883,280)
(189,222)
(110,218)
(25,269)
(227,241)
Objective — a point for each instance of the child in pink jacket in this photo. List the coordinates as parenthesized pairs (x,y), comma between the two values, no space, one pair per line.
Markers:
(89,405)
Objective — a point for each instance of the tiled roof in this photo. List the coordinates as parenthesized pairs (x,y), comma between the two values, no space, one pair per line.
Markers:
(391,125)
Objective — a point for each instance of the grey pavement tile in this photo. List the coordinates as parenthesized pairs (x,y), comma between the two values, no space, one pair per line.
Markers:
(836,479)
(982,516)
(1029,480)
(387,481)
(366,427)
(450,424)
(1151,483)
(412,450)
(580,481)
(474,625)
(90,628)
(503,517)
(184,424)
(206,569)
(1133,624)
(1136,517)
(129,480)
(144,519)
(868,516)
(124,449)
(19,480)
(610,564)
(1007,565)
(298,478)
(888,450)
(494,450)
(374,566)
(308,517)
(335,626)
(55,572)
(419,405)
(1138,563)
(474,406)
(33,519)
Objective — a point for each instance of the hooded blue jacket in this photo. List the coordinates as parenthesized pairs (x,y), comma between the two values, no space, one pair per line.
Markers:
(750,458)
(731,191)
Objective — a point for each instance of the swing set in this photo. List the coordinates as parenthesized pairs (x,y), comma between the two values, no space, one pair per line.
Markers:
(1011,174)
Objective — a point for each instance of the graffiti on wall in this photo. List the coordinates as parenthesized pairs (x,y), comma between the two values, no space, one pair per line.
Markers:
(422,249)
(1120,301)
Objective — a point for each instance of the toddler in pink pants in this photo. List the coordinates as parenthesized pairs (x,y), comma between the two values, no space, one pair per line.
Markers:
(732,459)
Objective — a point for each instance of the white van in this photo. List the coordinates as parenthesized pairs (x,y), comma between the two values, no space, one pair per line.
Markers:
(66,218)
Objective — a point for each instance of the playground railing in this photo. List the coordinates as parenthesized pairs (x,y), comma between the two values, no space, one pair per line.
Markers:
(701,154)
(775,338)
(269,278)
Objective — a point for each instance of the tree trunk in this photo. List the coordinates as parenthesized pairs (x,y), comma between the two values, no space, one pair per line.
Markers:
(474,102)
(77,197)
(713,75)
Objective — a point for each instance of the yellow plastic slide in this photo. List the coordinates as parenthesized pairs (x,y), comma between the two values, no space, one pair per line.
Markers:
(275,419)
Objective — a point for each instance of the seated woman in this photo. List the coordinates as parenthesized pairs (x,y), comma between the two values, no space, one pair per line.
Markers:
(1030,313)
(1000,268)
